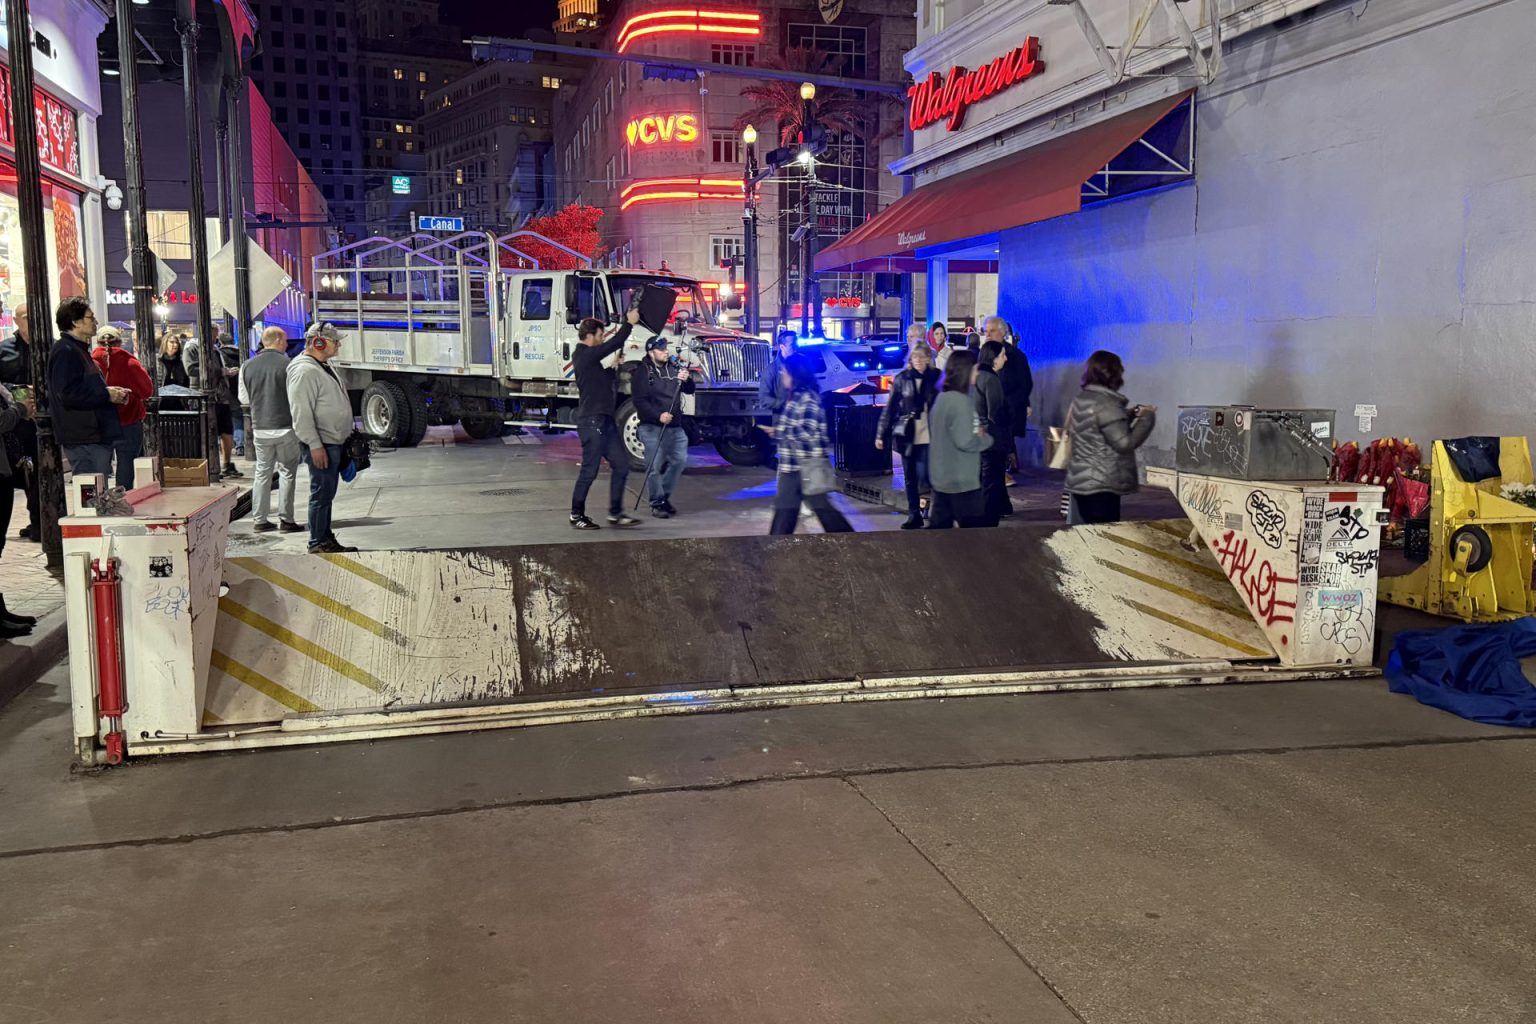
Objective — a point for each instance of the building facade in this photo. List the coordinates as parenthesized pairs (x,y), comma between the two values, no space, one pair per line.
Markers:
(68,104)
(1340,214)
(488,136)
(662,154)
(308,72)
(405,54)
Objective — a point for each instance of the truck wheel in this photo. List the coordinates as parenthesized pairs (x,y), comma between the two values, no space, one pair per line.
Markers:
(628,419)
(420,416)
(387,413)
(482,428)
(752,450)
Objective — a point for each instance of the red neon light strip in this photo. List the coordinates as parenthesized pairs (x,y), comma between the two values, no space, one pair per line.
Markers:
(695,182)
(689,20)
(675,188)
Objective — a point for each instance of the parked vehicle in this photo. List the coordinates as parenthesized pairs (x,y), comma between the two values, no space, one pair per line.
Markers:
(442,331)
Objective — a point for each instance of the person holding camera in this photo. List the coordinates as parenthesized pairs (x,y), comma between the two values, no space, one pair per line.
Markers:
(657,387)
(322,418)
(597,387)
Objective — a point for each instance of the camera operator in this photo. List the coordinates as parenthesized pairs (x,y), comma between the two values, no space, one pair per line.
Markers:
(658,387)
(597,386)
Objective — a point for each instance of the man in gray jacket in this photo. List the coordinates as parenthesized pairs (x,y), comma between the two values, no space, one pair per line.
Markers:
(322,419)
(264,390)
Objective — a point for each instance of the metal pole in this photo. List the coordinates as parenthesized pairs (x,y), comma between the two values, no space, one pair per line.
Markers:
(237,128)
(221,172)
(141,260)
(188,29)
(34,251)
(749,238)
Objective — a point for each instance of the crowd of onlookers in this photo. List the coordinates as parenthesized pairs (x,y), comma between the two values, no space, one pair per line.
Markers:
(958,415)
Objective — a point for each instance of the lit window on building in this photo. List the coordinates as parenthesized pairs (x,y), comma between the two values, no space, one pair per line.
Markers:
(399,74)
(724,146)
(458,176)
(421,76)
(734,54)
(399,128)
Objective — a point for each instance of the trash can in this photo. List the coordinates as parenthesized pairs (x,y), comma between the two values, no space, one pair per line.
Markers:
(187,432)
(853,444)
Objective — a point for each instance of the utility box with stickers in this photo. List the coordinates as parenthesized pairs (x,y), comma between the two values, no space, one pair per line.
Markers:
(1241,442)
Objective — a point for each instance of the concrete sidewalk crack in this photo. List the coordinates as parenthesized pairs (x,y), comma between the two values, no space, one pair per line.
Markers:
(844,774)
(966,899)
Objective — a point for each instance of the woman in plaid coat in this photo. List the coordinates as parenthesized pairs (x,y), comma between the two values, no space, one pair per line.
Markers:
(800,432)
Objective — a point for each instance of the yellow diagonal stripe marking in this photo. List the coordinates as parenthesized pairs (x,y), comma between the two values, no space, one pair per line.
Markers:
(1173,588)
(289,638)
(258,682)
(1171,527)
(324,602)
(373,576)
(1183,563)
(1198,630)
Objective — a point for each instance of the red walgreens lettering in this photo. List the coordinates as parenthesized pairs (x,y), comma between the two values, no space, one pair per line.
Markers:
(938,97)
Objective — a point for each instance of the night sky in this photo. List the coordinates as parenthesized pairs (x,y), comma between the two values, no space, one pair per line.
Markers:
(481,18)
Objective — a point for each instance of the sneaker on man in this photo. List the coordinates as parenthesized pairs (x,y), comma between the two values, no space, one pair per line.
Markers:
(660,512)
(231,471)
(291,527)
(622,519)
(265,526)
(583,523)
(331,547)
(668,506)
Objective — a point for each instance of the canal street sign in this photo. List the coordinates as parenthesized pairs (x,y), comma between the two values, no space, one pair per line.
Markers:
(439,223)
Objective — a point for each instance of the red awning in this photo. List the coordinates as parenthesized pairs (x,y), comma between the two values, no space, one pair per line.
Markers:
(1037,184)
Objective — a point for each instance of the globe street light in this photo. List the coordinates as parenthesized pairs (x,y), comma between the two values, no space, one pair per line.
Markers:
(807,91)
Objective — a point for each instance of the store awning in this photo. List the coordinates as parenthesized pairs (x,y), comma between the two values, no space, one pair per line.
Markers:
(1042,182)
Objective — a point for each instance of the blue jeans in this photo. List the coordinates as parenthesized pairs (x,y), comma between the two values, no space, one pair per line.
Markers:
(669,465)
(89,459)
(128,447)
(322,491)
(914,473)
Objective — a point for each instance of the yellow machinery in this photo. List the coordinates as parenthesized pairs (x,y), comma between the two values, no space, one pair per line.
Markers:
(1479,567)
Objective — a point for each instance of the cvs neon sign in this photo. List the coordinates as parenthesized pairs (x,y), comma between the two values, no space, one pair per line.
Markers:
(937,98)
(648,131)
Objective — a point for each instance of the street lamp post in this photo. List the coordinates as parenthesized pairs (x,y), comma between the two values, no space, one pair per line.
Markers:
(749,227)
(808,296)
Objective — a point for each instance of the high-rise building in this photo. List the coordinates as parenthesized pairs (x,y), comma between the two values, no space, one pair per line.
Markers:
(577,16)
(307,71)
(488,134)
(662,153)
(404,55)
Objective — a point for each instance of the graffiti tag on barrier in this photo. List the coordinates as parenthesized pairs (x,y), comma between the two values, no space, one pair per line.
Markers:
(1322,575)
(1349,530)
(168,601)
(1203,499)
(1311,529)
(1268,519)
(1361,563)
(1195,431)
(1256,579)
(1349,627)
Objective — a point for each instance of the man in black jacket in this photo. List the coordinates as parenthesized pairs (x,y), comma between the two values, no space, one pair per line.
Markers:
(83,405)
(16,370)
(657,387)
(597,386)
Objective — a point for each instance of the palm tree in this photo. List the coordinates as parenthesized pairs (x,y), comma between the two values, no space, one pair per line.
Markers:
(778,102)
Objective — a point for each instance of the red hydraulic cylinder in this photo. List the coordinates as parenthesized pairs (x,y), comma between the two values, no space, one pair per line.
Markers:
(106,602)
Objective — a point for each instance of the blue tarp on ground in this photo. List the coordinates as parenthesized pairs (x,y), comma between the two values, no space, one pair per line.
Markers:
(1472,671)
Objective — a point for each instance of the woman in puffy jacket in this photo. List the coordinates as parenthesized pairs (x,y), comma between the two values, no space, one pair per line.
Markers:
(1105,432)
(904,425)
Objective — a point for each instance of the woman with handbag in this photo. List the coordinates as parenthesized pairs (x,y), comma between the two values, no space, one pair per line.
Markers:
(1105,433)
(957,440)
(904,423)
(800,433)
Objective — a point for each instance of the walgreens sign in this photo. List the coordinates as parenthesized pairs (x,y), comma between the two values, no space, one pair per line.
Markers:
(947,97)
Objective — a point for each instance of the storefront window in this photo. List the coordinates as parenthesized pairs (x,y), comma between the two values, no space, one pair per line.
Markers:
(61,220)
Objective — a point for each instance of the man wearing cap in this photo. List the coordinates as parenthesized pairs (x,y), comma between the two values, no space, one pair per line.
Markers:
(264,390)
(123,369)
(659,386)
(322,419)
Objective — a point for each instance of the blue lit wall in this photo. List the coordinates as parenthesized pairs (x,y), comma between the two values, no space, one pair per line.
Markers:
(1361,230)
